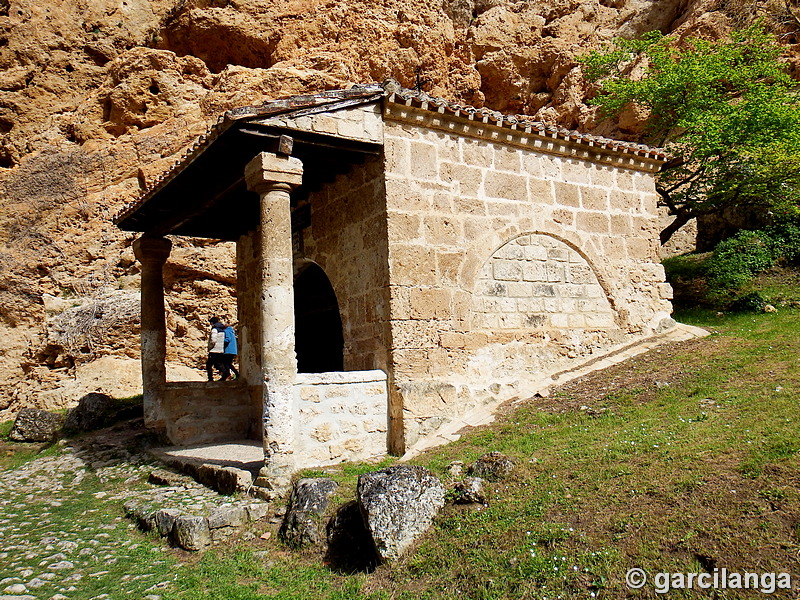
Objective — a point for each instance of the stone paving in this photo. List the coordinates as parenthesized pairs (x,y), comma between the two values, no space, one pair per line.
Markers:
(63,533)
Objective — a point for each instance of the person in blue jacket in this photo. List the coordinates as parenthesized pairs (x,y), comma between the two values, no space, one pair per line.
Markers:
(229,352)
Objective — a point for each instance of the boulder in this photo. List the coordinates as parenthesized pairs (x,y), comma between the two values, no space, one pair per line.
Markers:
(350,546)
(227,516)
(191,533)
(164,520)
(492,466)
(145,517)
(398,505)
(256,511)
(34,425)
(471,490)
(309,500)
(95,411)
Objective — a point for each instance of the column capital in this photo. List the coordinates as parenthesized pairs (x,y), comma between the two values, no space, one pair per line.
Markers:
(270,171)
(152,249)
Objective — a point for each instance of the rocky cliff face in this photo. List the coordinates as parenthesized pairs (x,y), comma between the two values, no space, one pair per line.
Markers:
(98,98)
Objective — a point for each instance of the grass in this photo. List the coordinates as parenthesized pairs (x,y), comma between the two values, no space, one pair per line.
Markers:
(686,460)
(682,460)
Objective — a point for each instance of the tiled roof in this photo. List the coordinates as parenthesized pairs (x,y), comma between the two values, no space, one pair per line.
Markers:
(524,123)
(392,90)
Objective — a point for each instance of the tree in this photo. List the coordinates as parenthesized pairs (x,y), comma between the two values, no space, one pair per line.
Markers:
(727,112)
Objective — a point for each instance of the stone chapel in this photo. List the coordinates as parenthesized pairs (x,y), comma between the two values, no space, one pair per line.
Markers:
(400,260)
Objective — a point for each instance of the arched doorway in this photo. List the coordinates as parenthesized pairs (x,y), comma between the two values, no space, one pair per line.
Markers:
(319,343)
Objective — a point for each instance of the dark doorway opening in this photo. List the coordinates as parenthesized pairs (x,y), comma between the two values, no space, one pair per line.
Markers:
(319,343)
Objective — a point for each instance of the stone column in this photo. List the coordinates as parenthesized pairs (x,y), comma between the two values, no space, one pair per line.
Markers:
(273,177)
(153,252)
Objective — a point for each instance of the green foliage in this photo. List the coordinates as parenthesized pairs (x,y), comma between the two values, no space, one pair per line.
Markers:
(785,231)
(736,260)
(750,302)
(726,110)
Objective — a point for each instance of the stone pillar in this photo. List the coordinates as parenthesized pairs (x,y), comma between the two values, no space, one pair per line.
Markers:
(273,177)
(153,252)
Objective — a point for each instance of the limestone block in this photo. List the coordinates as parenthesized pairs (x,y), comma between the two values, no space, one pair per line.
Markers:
(603,176)
(540,191)
(429,303)
(324,124)
(191,532)
(403,227)
(472,490)
(640,249)
(507,159)
(507,270)
(227,516)
(625,180)
(309,394)
(397,152)
(475,152)
(567,194)
(323,432)
(412,265)
(165,520)
(492,466)
(423,161)
(309,501)
(614,248)
(519,289)
(466,179)
(551,166)
(627,201)
(442,202)
(443,230)
(505,185)
(621,225)
(257,511)
(576,320)
(593,222)
(34,425)
(594,198)
(267,167)
(350,128)
(530,305)
(564,217)
(532,164)
(448,265)
(469,206)
(503,208)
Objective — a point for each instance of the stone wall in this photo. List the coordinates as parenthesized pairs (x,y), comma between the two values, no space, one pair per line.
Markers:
(199,412)
(363,123)
(340,416)
(510,255)
(347,238)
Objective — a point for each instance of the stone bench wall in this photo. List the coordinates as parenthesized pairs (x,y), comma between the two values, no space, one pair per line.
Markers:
(341,416)
(199,412)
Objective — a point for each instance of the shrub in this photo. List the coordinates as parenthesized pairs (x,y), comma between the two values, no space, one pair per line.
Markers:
(736,260)
(752,302)
(785,230)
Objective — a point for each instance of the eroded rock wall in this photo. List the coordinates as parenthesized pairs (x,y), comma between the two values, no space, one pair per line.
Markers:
(98,98)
